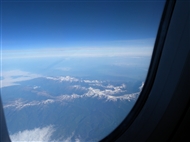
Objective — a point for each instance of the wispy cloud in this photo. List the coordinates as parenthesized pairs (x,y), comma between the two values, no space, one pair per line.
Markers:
(36,134)
(36,87)
(141,87)
(71,138)
(78,52)
(42,135)
(13,77)
(141,42)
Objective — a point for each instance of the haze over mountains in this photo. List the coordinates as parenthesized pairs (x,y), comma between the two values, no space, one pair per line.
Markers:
(66,108)
(71,71)
(69,99)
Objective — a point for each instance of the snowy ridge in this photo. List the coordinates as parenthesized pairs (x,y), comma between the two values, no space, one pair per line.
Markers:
(107,92)
(20,104)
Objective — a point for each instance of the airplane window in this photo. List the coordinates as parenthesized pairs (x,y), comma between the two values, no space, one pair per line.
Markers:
(72,70)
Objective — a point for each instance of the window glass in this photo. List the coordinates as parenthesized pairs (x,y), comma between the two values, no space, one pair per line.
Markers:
(72,71)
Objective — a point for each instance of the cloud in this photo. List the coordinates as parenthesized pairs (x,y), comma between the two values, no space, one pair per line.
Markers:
(36,87)
(76,52)
(77,140)
(41,135)
(36,134)
(71,138)
(141,87)
(13,77)
(68,139)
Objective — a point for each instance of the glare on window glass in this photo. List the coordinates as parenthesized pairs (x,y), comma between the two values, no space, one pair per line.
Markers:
(72,71)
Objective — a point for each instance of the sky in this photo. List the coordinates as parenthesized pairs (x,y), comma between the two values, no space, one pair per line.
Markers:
(40,35)
(33,29)
(84,24)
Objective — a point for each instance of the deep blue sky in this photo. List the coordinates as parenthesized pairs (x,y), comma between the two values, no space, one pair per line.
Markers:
(76,24)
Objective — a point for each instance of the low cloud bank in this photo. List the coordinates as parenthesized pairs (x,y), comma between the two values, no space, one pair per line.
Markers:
(41,135)
(36,134)
(13,77)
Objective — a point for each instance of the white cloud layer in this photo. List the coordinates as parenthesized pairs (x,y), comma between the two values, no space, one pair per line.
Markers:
(41,135)
(13,77)
(37,134)
(141,87)
(71,138)
(78,52)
